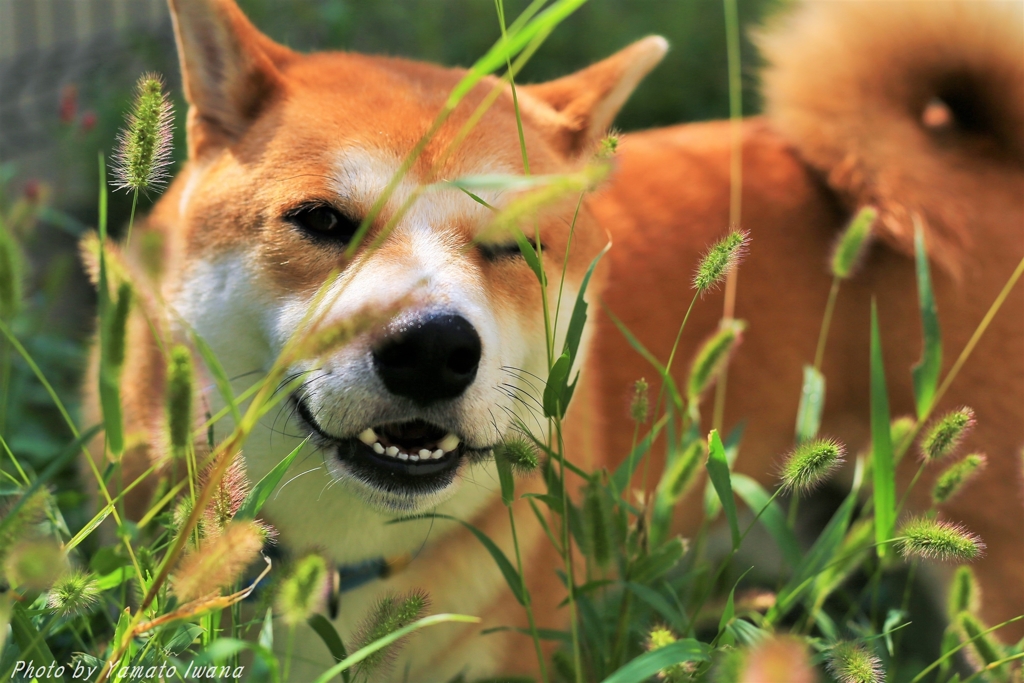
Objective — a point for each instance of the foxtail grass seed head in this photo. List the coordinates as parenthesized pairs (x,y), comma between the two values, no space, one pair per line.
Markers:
(35,564)
(852,663)
(305,590)
(680,474)
(964,592)
(389,614)
(179,399)
(956,476)
(945,434)
(983,649)
(811,463)
(227,499)
(729,665)
(10,275)
(942,541)
(608,147)
(74,593)
(659,637)
(219,562)
(901,431)
(721,258)
(144,145)
(641,403)
(597,524)
(520,452)
(852,243)
(117,327)
(713,356)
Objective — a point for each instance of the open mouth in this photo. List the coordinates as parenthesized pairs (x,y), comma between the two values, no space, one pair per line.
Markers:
(413,456)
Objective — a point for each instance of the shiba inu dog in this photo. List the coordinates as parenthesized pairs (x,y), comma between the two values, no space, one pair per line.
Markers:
(288,153)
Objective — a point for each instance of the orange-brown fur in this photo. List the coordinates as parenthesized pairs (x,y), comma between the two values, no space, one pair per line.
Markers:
(258,144)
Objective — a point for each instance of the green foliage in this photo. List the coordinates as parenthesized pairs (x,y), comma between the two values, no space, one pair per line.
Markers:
(713,356)
(179,399)
(964,593)
(853,242)
(926,372)
(883,459)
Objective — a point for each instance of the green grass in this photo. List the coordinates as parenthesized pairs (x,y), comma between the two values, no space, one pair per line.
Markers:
(641,602)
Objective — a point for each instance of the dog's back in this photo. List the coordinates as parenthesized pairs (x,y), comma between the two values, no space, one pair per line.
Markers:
(915,108)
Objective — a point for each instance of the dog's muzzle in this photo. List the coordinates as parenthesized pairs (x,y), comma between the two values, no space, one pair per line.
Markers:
(424,363)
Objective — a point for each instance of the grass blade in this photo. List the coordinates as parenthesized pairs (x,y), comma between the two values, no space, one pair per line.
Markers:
(718,472)
(220,377)
(31,642)
(654,599)
(554,390)
(884,469)
(109,389)
(624,472)
(579,310)
(253,502)
(511,45)
(332,640)
(926,372)
(508,483)
(660,561)
(532,259)
(650,663)
(670,384)
(730,605)
(365,652)
(821,553)
(56,464)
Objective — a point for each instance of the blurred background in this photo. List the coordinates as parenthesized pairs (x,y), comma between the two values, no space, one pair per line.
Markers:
(67,69)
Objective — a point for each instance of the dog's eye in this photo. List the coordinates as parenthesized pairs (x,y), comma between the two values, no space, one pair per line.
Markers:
(497,252)
(324,223)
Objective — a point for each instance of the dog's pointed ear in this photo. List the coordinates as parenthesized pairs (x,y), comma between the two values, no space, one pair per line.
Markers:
(586,102)
(229,70)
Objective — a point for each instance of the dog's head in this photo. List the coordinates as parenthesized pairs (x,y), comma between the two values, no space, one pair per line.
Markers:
(288,154)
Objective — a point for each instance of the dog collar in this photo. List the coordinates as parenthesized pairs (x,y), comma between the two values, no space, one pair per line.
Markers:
(347,577)
(352,576)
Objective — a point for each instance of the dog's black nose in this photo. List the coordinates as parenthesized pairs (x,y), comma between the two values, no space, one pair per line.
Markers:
(431,360)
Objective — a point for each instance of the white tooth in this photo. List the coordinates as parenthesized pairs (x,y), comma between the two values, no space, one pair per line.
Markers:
(449,443)
(414,458)
(368,436)
(378,449)
(403,456)
(424,454)
(437,454)
(391,450)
